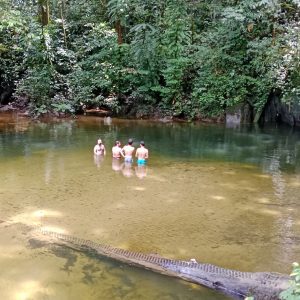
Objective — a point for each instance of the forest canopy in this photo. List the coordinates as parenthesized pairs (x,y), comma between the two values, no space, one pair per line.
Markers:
(190,58)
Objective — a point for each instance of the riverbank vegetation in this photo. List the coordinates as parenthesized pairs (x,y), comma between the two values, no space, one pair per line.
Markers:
(294,291)
(187,59)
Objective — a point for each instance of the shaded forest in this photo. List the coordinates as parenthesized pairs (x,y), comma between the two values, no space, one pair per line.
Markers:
(190,59)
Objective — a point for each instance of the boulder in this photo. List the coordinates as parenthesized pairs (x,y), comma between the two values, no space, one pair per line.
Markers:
(276,111)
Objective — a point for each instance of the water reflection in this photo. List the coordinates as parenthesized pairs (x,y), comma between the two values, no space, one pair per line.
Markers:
(179,141)
(127,169)
(98,160)
(273,168)
(141,171)
(116,164)
(48,167)
(234,191)
(107,121)
(30,289)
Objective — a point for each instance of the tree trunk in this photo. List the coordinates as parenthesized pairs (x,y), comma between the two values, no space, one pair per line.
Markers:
(118,28)
(192,30)
(62,7)
(44,12)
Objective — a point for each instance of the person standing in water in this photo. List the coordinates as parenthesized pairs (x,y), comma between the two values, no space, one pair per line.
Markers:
(128,151)
(117,150)
(99,149)
(117,154)
(142,154)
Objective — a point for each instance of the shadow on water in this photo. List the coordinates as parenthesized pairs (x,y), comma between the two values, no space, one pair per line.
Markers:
(128,282)
(97,272)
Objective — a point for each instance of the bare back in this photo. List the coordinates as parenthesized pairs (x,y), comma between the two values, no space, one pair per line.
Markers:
(116,152)
(142,153)
(128,150)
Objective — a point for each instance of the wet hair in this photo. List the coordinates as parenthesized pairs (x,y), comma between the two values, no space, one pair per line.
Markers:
(130,141)
(142,143)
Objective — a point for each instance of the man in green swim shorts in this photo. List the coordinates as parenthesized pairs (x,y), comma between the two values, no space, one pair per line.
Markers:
(142,154)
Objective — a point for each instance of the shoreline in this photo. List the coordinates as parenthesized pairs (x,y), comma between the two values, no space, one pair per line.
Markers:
(100,113)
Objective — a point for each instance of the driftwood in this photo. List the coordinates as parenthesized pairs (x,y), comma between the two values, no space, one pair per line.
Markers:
(97,111)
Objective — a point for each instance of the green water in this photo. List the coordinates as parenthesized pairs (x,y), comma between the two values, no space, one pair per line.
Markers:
(227,196)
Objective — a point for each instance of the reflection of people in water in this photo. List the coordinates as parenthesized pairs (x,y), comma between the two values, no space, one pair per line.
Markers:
(127,169)
(107,121)
(99,149)
(116,165)
(98,159)
(141,171)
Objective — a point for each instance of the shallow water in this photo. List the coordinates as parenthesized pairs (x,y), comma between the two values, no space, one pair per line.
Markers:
(227,196)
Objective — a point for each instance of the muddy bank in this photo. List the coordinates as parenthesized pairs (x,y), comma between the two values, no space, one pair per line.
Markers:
(155,115)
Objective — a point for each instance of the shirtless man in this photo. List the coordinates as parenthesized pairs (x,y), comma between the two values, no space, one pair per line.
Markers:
(117,150)
(117,153)
(99,149)
(128,151)
(142,154)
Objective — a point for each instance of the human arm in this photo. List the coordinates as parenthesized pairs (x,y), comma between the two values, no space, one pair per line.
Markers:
(123,151)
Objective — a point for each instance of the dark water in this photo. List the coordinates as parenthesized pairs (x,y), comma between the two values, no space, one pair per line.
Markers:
(227,196)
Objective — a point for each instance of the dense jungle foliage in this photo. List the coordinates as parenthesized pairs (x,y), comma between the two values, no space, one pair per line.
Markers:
(187,58)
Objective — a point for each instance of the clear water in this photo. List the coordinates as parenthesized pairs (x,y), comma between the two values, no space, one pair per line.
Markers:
(227,196)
